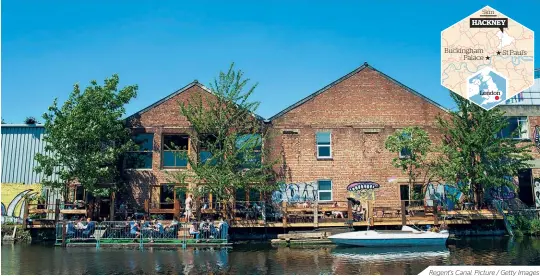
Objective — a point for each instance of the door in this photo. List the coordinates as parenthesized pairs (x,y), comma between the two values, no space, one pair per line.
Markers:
(404,193)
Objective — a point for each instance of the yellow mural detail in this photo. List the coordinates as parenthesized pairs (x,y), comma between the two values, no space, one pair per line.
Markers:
(13,198)
(362,195)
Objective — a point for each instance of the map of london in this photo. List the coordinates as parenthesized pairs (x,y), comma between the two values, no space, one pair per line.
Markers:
(487,57)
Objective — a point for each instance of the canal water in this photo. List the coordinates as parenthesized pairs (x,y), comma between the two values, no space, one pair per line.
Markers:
(264,259)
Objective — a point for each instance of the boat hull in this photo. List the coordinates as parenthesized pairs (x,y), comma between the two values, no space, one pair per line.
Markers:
(393,239)
(393,242)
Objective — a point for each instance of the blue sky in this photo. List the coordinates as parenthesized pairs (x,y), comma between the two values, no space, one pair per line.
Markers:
(291,48)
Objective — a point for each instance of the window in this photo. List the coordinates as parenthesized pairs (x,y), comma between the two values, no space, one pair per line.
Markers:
(205,154)
(405,152)
(517,128)
(249,142)
(142,157)
(175,150)
(240,194)
(166,196)
(325,190)
(79,193)
(324,147)
(254,195)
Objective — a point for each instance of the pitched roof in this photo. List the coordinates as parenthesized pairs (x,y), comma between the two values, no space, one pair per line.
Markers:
(364,66)
(168,97)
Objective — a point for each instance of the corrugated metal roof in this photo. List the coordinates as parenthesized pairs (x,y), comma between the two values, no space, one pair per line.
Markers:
(20,143)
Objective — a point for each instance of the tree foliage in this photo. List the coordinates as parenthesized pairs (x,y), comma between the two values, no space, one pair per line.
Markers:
(474,156)
(413,145)
(86,137)
(227,139)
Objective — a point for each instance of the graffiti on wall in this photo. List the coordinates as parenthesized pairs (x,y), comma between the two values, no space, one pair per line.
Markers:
(295,192)
(13,200)
(362,190)
(536,192)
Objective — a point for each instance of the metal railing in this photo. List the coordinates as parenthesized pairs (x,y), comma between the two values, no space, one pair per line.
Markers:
(141,232)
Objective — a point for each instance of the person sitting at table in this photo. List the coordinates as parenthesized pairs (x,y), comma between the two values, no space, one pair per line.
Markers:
(157,229)
(193,230)
(135,230)
(80,225)
(173,223)
(213,230)
(205,228)
(337,214)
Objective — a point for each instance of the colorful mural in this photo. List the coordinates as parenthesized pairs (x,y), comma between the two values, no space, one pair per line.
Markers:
(13,200)
(362,190)
(536,192)
(295,192)
(447,194)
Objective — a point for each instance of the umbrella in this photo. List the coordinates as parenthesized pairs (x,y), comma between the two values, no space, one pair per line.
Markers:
(362,185)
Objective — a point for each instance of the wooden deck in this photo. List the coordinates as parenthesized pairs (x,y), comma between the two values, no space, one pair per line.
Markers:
(319,216)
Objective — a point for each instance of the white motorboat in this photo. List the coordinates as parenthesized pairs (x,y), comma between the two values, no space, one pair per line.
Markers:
(407,236)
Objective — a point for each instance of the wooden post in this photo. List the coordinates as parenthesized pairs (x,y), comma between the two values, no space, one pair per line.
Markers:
(316,214)
(176,207)
(146,206)
(349,210)
(370,213)
(435,213)
(111,211)
(57,211)
(403,213)
(284,207)
(64,229)
(25,214)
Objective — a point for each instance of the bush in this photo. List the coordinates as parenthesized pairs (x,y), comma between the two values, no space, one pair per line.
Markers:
(21,235)
(522,225)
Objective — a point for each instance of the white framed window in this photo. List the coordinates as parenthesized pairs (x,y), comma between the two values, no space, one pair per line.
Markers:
(325,189)
(517,128)
(324,144)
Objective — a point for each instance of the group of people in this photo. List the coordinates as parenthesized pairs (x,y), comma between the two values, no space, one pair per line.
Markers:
(206,229)
(82,227)
(150,228)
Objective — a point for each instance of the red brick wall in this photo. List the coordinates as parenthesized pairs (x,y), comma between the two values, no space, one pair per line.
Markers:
(164,118)
(366,100)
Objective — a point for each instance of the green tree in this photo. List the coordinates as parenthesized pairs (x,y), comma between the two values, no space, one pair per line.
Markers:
(227,139)
(86,137)
(412,144)
(474,156)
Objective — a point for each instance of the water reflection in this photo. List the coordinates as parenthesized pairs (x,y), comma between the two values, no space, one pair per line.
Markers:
(263,259)
(390,254)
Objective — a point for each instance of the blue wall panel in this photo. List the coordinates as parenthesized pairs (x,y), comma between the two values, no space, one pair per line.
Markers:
(20,143)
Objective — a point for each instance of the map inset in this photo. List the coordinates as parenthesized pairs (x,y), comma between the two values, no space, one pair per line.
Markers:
(487,88)
(487,39)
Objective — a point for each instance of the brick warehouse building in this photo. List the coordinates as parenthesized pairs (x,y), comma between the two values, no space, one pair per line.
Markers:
(523,112)
(352,115)
(336,135)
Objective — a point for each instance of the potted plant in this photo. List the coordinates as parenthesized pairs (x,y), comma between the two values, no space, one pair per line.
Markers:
(167,204)
(41,200)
